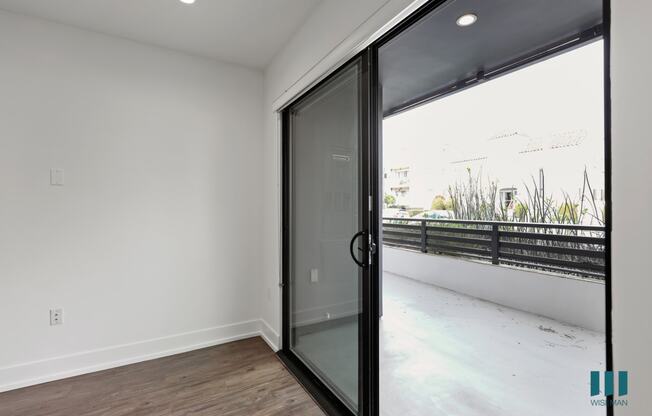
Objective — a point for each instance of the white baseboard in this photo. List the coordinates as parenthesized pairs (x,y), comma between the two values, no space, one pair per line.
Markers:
(270,336)
(42,371)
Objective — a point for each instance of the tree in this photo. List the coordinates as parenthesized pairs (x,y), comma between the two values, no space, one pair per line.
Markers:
(438,203)
(390,200)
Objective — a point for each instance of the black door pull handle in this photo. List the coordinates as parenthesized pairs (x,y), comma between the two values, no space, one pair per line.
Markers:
(355,236)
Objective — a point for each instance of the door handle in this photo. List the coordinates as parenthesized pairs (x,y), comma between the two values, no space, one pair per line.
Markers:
(355,236)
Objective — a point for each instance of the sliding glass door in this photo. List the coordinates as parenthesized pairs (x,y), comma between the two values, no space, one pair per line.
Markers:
(439,56)
(327,239)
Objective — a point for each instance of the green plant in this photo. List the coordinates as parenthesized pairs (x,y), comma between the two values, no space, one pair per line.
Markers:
(472,200)
(413,212)
(520,211)
(389,200)
(438,203)
(596,214)
(568,213)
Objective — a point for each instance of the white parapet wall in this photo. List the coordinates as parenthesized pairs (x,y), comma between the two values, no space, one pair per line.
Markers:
(573,301)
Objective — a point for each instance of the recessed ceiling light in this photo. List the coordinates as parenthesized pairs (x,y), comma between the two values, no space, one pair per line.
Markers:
(466,19)
(187,1)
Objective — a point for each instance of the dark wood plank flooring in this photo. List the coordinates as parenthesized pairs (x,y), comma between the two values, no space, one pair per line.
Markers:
(234,379)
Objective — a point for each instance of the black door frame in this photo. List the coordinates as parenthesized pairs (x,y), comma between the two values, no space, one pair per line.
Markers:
(371,151)
(367,327)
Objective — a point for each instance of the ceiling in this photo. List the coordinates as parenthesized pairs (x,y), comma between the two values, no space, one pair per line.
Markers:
(246,32)
(436,55)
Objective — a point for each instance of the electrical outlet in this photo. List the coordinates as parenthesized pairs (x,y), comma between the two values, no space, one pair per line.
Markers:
(314,275)
(56,177)
(56,316)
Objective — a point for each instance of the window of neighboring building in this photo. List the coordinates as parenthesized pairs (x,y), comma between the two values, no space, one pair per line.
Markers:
(507,197)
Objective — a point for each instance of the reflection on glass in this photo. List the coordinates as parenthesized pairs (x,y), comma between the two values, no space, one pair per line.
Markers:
(324,281)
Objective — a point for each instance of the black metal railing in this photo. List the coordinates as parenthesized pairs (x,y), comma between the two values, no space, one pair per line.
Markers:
(570,249)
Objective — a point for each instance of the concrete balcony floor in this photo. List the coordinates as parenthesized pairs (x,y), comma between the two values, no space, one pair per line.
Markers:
(448,354)
(444,353)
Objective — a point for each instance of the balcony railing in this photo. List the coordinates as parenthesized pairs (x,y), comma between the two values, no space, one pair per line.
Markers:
(576,250)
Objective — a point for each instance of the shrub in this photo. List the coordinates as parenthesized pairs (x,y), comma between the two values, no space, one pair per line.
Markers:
(438,203)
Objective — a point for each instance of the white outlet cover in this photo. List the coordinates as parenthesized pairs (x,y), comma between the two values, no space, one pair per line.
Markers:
(314,275)
(56,316)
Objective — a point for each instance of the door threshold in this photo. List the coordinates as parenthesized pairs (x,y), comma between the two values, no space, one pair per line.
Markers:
(326,400)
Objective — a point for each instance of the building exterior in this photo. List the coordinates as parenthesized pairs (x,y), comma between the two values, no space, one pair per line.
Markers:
(516,163)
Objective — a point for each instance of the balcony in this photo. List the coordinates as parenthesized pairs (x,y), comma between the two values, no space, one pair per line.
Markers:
(446,353)
(491,318)
(553,270)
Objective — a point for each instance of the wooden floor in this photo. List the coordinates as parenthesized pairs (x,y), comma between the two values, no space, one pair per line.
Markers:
(239,378)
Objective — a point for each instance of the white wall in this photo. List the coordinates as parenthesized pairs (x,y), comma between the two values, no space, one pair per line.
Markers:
(148,246)
(338,26)
(631,58)
(573,301)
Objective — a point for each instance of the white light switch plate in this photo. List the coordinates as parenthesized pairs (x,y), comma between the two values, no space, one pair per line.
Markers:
(314,275)
(56,177)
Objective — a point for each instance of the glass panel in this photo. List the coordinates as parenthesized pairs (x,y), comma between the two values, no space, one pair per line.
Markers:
(324,216)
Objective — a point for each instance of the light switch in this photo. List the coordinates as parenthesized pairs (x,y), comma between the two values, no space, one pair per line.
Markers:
(56,177)
(314,275)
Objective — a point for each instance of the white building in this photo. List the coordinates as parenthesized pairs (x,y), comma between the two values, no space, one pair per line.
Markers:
(515,161)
